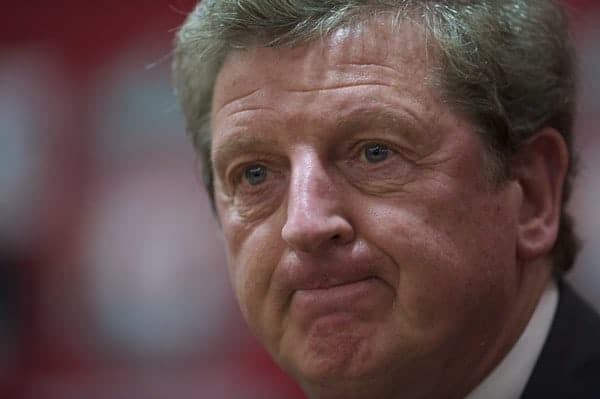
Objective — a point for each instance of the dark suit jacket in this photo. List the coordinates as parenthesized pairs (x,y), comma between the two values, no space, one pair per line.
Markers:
(569,365)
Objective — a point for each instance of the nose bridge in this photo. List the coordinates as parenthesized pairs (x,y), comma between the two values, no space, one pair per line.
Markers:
(314,209)
(311,188)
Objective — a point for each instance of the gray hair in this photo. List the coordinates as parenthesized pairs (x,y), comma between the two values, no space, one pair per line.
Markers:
(507,65)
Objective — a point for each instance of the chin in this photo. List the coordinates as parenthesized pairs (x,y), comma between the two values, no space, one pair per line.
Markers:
(334,367)
(346,387)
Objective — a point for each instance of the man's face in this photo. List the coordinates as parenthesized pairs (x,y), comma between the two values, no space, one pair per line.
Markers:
(365,241)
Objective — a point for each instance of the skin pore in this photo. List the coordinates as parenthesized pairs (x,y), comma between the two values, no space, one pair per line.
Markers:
(368,252)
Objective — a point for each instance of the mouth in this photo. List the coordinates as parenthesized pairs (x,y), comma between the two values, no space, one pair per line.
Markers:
(358,296)
(328,283)
(337,287)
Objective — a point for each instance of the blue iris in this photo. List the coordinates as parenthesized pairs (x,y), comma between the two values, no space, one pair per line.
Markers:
(376,153)
(255,174)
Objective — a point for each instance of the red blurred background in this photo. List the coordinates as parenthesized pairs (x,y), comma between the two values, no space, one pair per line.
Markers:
(113,282)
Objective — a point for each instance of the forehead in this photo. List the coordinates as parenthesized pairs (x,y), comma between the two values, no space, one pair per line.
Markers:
(374,44)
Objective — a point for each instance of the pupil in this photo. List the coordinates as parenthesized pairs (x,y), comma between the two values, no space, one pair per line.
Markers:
(376,153)
(255,175)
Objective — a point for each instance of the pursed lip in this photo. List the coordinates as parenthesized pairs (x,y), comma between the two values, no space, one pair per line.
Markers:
(361,298)
(326,282)
(353,280)
(335,268)
(338,291)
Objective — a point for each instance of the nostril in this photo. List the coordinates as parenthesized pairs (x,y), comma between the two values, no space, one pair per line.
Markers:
(307,234)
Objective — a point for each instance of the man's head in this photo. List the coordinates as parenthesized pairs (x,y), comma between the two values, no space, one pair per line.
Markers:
(389,177)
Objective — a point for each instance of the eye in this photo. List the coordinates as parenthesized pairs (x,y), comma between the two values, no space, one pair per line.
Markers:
(255,174)
(376,152)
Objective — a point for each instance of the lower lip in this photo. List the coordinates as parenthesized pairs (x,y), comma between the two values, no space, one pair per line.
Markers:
(356,297)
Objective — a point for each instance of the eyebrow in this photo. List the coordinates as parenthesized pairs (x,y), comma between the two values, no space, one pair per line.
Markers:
(409,124)
(362,117)
(238,144)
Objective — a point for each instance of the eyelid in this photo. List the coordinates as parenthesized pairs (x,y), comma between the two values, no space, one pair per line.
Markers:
(235,165)
(395,148)
(235,173)
(358,148)
(234,177)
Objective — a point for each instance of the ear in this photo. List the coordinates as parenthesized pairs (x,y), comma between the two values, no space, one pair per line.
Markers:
(540,168)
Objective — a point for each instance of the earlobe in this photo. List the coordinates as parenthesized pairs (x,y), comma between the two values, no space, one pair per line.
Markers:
(540,168)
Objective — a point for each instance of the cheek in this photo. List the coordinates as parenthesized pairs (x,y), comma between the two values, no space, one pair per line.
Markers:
(254,253)
(449,258)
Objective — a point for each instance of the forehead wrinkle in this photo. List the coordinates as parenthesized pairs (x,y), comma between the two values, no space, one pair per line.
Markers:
(337,87)
(368,65)
(240,101)
(237,113)
(240,97)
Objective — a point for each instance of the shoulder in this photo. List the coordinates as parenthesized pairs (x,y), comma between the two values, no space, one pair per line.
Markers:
(569,365)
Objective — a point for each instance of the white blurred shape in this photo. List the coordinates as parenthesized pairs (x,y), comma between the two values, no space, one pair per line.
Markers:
(157,269)
(158,273)
(134,106)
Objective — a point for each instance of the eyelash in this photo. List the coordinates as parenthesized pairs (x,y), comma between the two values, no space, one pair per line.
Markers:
(237,178)
(359,148)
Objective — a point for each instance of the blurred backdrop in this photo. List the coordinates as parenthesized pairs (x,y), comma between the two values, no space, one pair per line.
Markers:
(113,281)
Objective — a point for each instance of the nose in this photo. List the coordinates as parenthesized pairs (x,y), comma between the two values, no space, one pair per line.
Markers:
(315,216)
